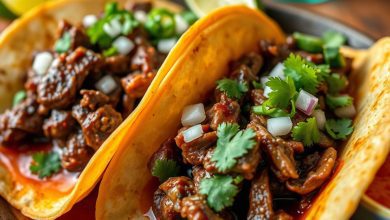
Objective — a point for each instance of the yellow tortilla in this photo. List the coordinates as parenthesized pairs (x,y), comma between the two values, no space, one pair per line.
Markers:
(33,32)
(205,51)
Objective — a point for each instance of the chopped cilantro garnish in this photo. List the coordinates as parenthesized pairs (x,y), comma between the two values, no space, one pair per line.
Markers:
(307,132)
(220,191)
(257,85)
(63,44)
(282,92)
(339,129)
(304,75)
(45,164)
(163,169)
(232,144)
(232,88)
(333,56)
(19,97)
(338,101)
(333,39)
(308,43)
(323,71)
(272,112)
(336,83)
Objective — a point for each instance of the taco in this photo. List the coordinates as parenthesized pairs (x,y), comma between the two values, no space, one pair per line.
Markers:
(249,124)
(71,73)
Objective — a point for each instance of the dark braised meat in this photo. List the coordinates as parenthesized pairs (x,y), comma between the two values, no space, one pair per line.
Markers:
(58,88)
(76,154)
(98,125)
(145,58)
(128,105)
(195,207)
(247,68)
(59,125)
(136,84)
(118,64)
(226,110)
(93,99)
(167,151)
(22,120)
(260,198)
(78,38)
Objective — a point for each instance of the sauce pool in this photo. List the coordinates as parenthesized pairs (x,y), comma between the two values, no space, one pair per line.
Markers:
(379,190)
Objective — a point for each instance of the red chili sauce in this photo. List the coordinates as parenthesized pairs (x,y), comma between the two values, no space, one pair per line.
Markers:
(17,159)
(379,190)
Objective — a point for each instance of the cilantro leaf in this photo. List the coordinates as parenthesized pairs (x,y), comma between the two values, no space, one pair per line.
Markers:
(303,74)
(232,88)
(45,164)
(333,57)
(333,39)
(338,101)
(339,129)
(336,83)
(163,169)
(282,92)
(63,44)
(231,144)
(323,71)
(220,191)
(307,132)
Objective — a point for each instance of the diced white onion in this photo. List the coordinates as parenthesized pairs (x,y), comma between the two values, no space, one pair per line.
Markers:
(264,80)
(267,91)
(123,45)
(113,28)
(346,112)
(89,20)
(140,16)
(277,71)
(320,118)
(181,24)
(193,114)
(165,45)
(306,102)
(106,84)
(192,133)
(150,214)
(42,62)
(279,126)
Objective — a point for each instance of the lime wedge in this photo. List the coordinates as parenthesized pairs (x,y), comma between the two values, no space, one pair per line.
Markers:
(21,6)
(203,7)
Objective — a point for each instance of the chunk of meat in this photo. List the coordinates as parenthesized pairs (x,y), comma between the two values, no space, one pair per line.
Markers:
(316,58)
(76,154)
(167,151)
(257,97)
(163,207)
(23,119)
(78,38)
(177,188)
(226,110)
(58,88)
(199,173)
(93,99)
(98,125)
(195,208)
(145,5)
(128,105)
(79,113)
(317,176)
(326,141)
(136,84)
(59,125)
(260,198)
(281,155)
(282,215)
(246,69)
(118,64)
(247,164)
(145,58)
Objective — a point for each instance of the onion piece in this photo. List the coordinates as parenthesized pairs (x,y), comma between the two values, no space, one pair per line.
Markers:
(107,84)
(279,126)
(320,118)
(192,133)
(123,45)
(193,114)
(264,80)
(89,20)
(345,112)
(165,45)
(113,28)
(141,16)
(42,62)
(277,71)
(306,102)
(267,91)
(181,24)
(150,214)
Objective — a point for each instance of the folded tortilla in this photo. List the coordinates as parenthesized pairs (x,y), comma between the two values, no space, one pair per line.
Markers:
(201,57)
(33,32)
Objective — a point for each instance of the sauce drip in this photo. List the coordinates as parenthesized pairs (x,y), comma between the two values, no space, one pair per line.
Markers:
(17,160)
(379,190)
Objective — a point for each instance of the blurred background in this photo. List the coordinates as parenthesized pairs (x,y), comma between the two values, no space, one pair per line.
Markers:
(368,16)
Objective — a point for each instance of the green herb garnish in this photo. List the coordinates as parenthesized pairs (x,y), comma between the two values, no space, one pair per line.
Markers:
(220,191)
(282,92)
(333,39)
(307,132)
(339,129)
(45,164)
(333,56)
(63,44)
(308,43)
(231,144)
(232,88)
(336,83)
(161,23)
(189,17)
(164,169)
(19,97)
(304,75)
(338,101)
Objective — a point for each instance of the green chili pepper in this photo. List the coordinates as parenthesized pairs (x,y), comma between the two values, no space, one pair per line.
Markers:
(19,97)
(161,23)
(333,57)
(308,43)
